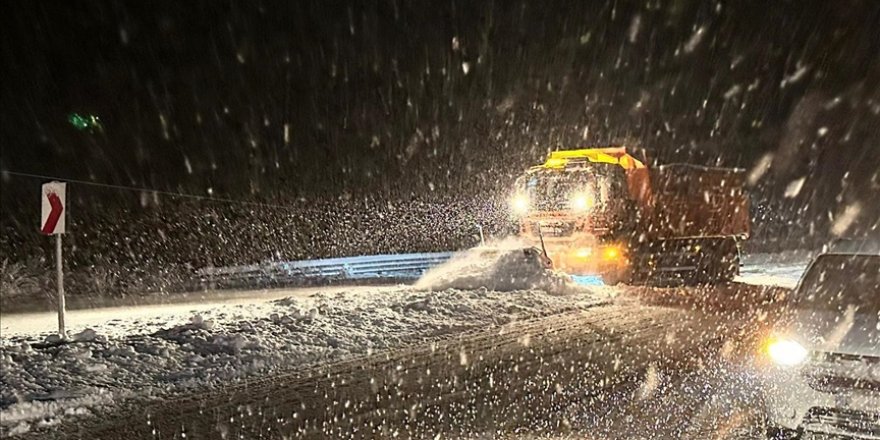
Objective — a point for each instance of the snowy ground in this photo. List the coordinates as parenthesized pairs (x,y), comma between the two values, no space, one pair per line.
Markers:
(119,320)
(151,351)
(117,353)
(720,400)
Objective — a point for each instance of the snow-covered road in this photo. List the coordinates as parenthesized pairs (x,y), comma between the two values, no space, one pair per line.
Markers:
(185,347)
(721,400)
(487,383)
(188,344)
(762,269)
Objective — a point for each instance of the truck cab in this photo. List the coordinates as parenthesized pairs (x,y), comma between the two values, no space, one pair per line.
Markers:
(578,203)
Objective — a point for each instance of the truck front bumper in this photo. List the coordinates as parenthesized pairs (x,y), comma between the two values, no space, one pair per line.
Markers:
(610,261)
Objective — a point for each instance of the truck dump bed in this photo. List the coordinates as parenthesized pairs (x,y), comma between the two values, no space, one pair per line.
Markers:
(695,201)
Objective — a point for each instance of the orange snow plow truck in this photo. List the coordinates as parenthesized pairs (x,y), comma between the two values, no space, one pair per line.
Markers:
(601,211)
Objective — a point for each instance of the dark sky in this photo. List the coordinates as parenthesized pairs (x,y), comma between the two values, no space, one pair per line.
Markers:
(270,100)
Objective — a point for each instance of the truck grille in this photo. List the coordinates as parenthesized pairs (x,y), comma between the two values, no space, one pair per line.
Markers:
(556,228)
(830,383)
(842,421)
(551,204)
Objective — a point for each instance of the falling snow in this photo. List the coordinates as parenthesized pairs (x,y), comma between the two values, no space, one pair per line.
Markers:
(212,151)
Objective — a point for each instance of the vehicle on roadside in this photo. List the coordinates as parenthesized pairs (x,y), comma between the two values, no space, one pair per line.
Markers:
(854,246)
(821,362)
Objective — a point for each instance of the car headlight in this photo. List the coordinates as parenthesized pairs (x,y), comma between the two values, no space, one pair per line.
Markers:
(582,201)
(786,352)
(519,204)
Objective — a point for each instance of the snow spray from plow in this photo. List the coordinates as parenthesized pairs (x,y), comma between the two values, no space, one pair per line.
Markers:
(501,266)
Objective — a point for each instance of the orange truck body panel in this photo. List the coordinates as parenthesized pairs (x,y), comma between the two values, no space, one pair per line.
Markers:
(694,201)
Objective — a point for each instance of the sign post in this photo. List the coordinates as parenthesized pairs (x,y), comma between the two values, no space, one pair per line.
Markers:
(53,223)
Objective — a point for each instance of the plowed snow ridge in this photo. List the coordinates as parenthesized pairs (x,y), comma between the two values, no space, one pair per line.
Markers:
(41,382)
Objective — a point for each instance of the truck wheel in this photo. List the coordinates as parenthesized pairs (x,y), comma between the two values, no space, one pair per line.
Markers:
(726,265)
(719,261)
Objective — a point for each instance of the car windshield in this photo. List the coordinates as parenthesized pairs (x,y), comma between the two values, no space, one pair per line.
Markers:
(837,282)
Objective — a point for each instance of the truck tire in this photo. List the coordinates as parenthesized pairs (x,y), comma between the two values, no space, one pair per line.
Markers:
(718,262)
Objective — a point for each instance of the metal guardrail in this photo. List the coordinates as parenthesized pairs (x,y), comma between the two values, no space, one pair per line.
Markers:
(397,266)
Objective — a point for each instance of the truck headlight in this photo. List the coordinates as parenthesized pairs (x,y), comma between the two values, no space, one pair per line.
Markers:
(786,352)
(583,253)
(611,253)
(519,204)
(582,201)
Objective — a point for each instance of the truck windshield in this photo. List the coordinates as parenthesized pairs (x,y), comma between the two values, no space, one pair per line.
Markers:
(553,190)
(835,282)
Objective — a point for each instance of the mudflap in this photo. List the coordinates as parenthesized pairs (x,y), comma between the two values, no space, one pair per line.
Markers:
(702,260)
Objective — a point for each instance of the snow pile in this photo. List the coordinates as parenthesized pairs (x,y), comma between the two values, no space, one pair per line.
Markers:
(42,380)
(782,269)
(506,266)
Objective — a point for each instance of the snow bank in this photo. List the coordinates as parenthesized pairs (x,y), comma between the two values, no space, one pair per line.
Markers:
(505,266)
(790,257)
(782,269)
(42,381)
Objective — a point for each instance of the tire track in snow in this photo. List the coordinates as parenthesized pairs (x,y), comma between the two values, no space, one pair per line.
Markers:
(479,382)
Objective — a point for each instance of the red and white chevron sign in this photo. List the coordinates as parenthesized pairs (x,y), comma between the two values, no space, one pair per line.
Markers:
(53,208)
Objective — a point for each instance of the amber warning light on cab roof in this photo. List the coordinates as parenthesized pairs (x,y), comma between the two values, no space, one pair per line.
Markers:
(609,155)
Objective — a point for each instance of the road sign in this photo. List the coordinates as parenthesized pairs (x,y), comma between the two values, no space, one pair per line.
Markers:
(52,223)
(53,197)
